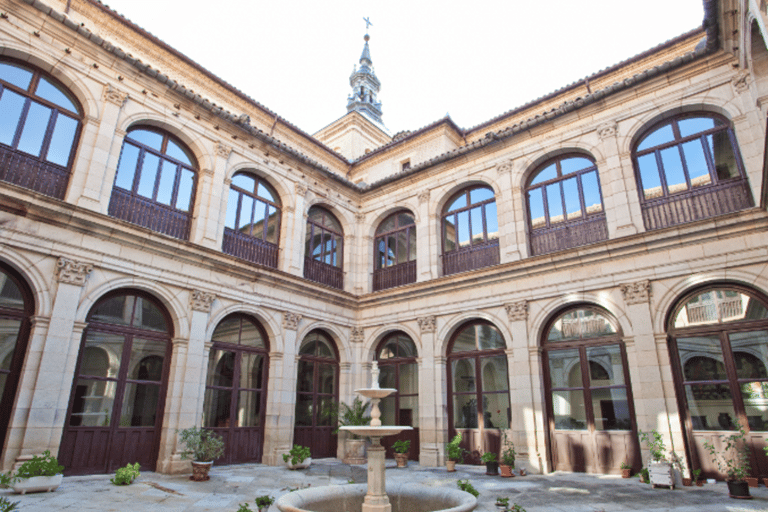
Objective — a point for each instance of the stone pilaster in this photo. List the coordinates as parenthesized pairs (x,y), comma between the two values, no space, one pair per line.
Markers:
(210,205)
(426,250)
(296,225)
(433,425)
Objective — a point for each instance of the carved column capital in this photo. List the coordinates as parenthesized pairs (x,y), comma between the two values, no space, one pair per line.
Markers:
(115,96)
(423,196)
(607,130)
(357,335)
(517,311)
(72,272)
(427,324)
(291,320)
(201,301)
(223,150)
(741,81)
(636,293)
(505,166)
(360,217)
(301,189)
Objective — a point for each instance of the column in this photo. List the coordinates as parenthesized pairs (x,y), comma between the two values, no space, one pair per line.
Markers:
(281,393)
(296,224)
(211,201)
(52,384)
(509,206)
(433,425)
(427,248)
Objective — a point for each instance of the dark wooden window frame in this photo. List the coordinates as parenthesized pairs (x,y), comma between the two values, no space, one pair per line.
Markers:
(130,206)
(247,246)
(587,229)
(317,270)
(717,198)
(398,274)
(30,171)
(475,255)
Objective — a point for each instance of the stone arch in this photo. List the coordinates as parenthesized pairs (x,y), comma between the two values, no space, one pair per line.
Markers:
(287,199)
(370,344)
(448,192)
(379,218)
(575,149)
(34,278)
(267,321)
(343,216)
(345,353)
(453,324)
(557,305)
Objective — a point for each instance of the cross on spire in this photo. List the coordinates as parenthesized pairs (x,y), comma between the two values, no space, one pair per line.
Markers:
(367,24)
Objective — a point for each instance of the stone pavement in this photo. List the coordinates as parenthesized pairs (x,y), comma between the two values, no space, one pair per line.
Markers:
(231,485)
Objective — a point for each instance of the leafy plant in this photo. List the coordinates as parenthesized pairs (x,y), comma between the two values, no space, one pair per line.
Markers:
(7,505)
(488,457)
(264,501)
(508,454)
(655,444)
(297,454)
(202,445)
(644,476)
(624,465)
(455,452)
(401,446)
(351,415)
(6,479)
(696,474)
(43,465)
(244,507)
(734,459)
(465,486)
(517,508)
(126,475)
(502,502)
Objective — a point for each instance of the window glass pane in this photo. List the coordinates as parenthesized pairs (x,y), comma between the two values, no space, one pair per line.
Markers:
(580,324)
(605,366)
(478,195)
(126,168)
(304,410)
(565,368)
(555,203)
(464,411)
(536,208)
(148,316)
(325,406)
(572,199)
(476,218)
(267,193)
(326,382)
(50,92)
(216,410)
(465,340)
(61,140)
(165,187)
(592,199)
(10,329)
(35,125)
(232,209)
(449,233)
(493,372)
(184,196)
(725,160)
(409,379)
(463,221)
(755,397)
(4,379)
(146,360)
(694,125)
(117,310)
(139,405)
(325,255)
(463,375)
(148,175)
(246,214)
(546,174)
(337,247)
(569,410)
(649,176)
(569,165)
(244,181)
(611,409)
(391,250)
(657,137)
(412,243)
(221,368)
(489,337)
(101,355)
(701,358)
(750,354)
(713,306)
(249,409)
(330,221)
(402,246)
(250,336)
(673,170)
(11,105)
(15,75)
(496,412)
(408,415)
(92,403)
(305,379)
(228,330)
(272,224)
(388,225)
(175,151)
(710,406)
(10,295)
(697,164)
(459,202)
(405,219)
(150,139)
(381,253)
(388,376)
(491,221)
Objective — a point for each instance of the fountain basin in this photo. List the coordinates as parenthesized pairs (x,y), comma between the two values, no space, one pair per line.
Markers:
(403,498)
(384,431)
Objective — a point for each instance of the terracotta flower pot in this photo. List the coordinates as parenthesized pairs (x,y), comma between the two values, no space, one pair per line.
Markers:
(402,459)
(687,482)
(752,481)
(700,482)
(506,471)
(626,473)
(450,465)
(200,471)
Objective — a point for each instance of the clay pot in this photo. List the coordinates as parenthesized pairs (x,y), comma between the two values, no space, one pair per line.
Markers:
(506,471)
(752,481)
(402,459)
(200,471)
(450,465)
(626,473)
(687,482)
(700,482)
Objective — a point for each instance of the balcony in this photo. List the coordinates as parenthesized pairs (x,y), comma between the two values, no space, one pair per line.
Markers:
(565,235)
(471,257)
(396,275)
(323,273)
(32,173)
(249,248)
(149,214)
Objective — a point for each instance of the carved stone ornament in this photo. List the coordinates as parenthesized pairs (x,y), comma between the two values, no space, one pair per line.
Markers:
(607,130)
(223,150)
(201,301)
(427,324)
(291,320)
(72,272)
(301,189)
(741,82)
(517,311)
(423,196)
(114,96)
(505,166)
(360,217)
(357,335)
(636,293)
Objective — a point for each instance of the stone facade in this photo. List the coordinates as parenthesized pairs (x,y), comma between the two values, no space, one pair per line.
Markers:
(72,252)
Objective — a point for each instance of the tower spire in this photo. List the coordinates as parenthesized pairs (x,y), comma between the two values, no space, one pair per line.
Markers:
(365,85)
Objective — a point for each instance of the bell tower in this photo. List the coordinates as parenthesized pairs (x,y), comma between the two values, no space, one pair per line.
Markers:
(365,86)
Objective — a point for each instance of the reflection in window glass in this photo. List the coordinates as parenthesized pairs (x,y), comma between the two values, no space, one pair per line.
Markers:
(710,406)
(11,105)
(611,409)
(15,75)
(658,137)
(50,92)
(33,133)
(62,139)
(719,306)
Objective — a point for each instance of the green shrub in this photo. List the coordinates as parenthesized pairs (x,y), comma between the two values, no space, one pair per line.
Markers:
(401,446)
(264,501)
(43,465)
(488,457)
(202,445)
(126,475)
(465,486)
(455,452)
(7,506)
(297,454)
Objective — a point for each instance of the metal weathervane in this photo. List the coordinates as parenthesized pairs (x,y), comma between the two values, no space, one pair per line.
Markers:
(367,24)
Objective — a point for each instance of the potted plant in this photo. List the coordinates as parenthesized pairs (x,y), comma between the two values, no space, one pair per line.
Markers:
(263,502)
(679,464)
(508,455)
(697,477)
(298,457)
(401,448)
(659,468)
(502,503)
(643,475)
(626,470)
(355,416)
(522,471)
(733,460)
(454,452)
(41,473)
(203,447)
(491,463)
(126,475)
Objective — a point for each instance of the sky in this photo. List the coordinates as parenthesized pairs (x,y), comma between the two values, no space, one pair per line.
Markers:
(470,60)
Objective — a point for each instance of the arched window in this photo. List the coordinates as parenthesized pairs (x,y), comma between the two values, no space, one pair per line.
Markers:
(565,205)
(40,123)
(395,252)
(323,262)
(253,220)
(236,387)
(317,394)
(119,387)
(155,182)
(688,168)
(396,357)
(719,342)
(589,399)
(470,231)
(478,388)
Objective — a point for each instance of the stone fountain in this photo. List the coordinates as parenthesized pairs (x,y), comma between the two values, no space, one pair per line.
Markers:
(349,498)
